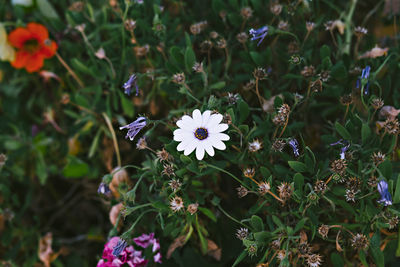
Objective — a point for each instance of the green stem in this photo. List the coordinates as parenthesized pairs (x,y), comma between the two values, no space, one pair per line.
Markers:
(230,174)
(230,217)
(349,31)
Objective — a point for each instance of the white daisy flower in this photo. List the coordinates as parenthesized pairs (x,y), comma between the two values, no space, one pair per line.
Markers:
(201,132)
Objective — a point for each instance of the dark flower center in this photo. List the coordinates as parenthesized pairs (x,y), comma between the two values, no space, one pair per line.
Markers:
(201,133)
(31,45)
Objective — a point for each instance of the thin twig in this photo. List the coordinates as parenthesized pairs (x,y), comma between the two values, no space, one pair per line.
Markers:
(110,127)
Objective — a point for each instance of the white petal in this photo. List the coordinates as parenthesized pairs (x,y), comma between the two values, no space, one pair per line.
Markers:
(190,147)
(214,120)
(206,117)
(200,151)
(182,145)
(186,123)
(219,136)
(218,144)
(183,136)
(209,149)
(219,128)
(197,118)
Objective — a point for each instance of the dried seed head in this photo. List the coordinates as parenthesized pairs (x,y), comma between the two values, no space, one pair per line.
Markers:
(249,172)
(130,25)
(329,25)
(314,260)
(141,143)
(255,145)
(176,204)
(3,159)
(283,25)
(378,158)
(377,103)
(242,37)
(260,73)
(312,198)
(308,71)
(263,188)
(279,119)
(227,119)
(310,26)
(324,75)
(192,208)
(222,14)
(250,85)
(252,250)
(178,78)
(281,254)
(278,145)
(391,126)
(284,110)
(351,195)
(320,186)
(77,6)
(246,12)
(393,222)
(233,98)
(372,181)
(221,43)
(316,86)
(295,59)
(168,170)
(389,112)
(141,51)
(205,46)
(346,99)
(323,230)
(360,241)
(276,244)
(214,35)
(242,233)
(285,191)
(198,67)
(163,155)
(175,185)
(276,9)
(242,191)
(339,166)
(198,27)
(353,183)
(360,31)
(304,249)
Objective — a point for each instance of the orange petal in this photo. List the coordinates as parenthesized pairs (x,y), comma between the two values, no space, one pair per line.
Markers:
(48,50)
(34,63)
(20,59)
(39,31)
(18,37)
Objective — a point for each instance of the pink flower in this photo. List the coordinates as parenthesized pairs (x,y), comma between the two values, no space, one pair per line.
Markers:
(157,258)
(144,240)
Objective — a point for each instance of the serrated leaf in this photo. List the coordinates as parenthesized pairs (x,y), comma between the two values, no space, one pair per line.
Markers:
(257,223)
(297,166)
(342,131)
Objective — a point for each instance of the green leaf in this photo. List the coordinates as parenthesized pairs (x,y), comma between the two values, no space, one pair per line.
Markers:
(41,168)
(257,223)
(298,183)
(95,143)
(363,258)
(127,106)
(190,58)
(325,51)
(262,236)
(81,67)
(244,111)
(47,9)
(365,133)
(396,198)
(342,131)
(336,260)
(240,258)
(208,213)
(176,55)
(386,169)
(277,221)
(256,57)
(203,241)
(217,85)
(75,168)
(300,224)
(185,159)
(297,166)
(377,254)
(265,172)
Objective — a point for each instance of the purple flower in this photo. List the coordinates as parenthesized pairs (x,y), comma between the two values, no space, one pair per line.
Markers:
(259,34)
(134,127)
(132,82)
(121,245)
(103,189)
(363,80)
(295,146)
(386,198)
(365,72)
(157,258)
(345,146)
(145,240)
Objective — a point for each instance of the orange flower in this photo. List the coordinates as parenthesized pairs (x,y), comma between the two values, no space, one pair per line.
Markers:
(33,46)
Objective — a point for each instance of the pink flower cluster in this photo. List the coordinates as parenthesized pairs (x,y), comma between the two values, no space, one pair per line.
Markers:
(129,255)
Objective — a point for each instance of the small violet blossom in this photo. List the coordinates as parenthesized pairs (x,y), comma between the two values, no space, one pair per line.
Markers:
(146,240)
(132,82)
(295,146)
(363,80)
(259,34)
(103,189)
(134,127)
(386,198)
(345,146)
(119,247)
